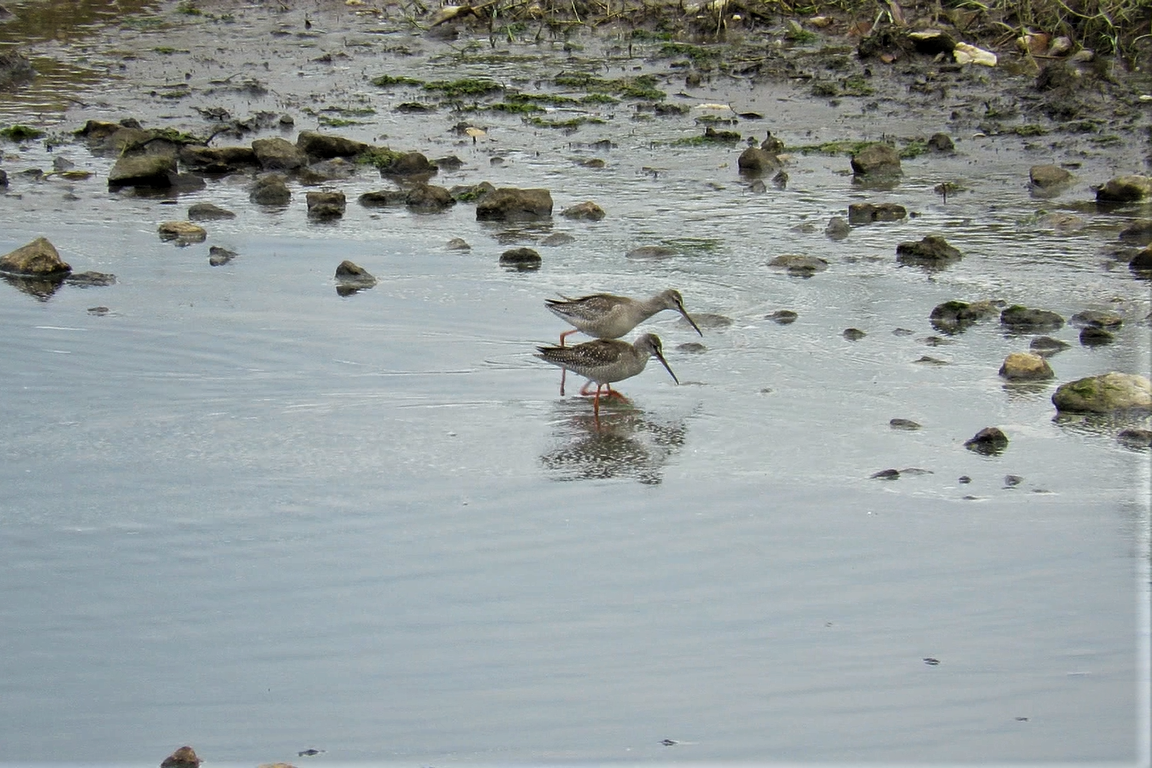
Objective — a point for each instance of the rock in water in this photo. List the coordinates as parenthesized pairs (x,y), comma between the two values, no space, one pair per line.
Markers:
(1105,393)
(989,441)
(38,257)
(1024,366)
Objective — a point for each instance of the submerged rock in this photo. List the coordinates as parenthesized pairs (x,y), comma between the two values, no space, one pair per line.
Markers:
(185,757)
(1046,345)
(217,159)
(511,204)
(326,205)
(651,252)
(219,256)
(782,316)
(853,334)
(1021,319)
(157,171)
(351,277)
(277,154)
(989,441)
(866,213)
(932,250)
(837,228)
(755,160)
(208,212)
(1094,336)
(586,211)
(270,189)
(458,244)
(904,424)
(1048,176)
(954,316)
(90,279)
(941,142)
(383,197)
(1105,393)
(876,160)
(522,259)
(409,164)
(38,258)
(429,198)
(1125,189)
(1135,438)
(558,238)
(324,145)
(1141,263)
(1138,232)
(798,264)
(183,231)
(1023,366)
(1098,318)
(15,68)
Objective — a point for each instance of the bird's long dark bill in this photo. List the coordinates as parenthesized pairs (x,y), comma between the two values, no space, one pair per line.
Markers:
(691,322)
(660,357)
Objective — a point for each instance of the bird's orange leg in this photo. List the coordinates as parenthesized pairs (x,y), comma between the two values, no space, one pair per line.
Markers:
(566,334)
(615,394)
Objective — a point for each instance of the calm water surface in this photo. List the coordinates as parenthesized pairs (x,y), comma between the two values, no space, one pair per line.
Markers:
(242,512)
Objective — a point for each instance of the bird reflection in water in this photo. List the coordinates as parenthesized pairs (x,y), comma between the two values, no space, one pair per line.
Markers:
(627,443)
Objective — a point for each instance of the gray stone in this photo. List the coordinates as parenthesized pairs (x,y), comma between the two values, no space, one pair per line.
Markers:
(277,154)
(1100,318)
(1048,176)
(522,259)
(429,198)
(324,146)
(876,160)
(270,189)
(1024,366)
(798,264)
(837,228)
(1021,319)
(351,275)
(509,204)
(184,231)
(1125,189)
(755,160)
(932,250)
(989,441)
(326,205)
(1105,393)
(208,212)
(38,258)
(586,211)
(156,171)
(955,316)
(217,159)
(866,213)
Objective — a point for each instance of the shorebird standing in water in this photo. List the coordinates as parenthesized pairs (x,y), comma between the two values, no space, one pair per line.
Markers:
(605,316)
(609,317)
(605,361)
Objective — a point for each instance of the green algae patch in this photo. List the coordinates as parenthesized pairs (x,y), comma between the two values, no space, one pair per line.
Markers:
(469,86)
(20,133)
(642,87)
(379,157)
(389,81)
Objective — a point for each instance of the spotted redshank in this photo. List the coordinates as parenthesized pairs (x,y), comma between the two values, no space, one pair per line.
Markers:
(609,317)
(605,316)
(605,361)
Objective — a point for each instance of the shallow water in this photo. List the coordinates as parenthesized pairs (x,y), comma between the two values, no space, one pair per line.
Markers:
(245,513)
